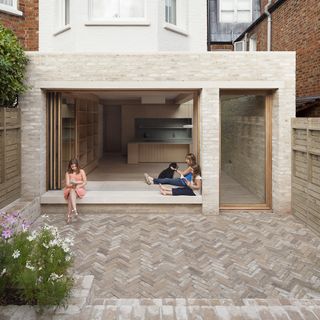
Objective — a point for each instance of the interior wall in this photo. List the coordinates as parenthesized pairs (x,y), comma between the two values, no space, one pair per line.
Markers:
(130,112)
(243,141)
(112,129)
(100,130)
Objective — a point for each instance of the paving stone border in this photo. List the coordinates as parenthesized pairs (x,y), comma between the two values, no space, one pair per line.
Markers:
(80,296)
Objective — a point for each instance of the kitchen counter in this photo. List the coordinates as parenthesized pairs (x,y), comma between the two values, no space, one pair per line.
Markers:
(173,141)
(158,150)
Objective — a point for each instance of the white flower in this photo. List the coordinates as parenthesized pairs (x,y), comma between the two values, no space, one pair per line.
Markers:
(33,235)
(3,272)
(16,254)
(54,277)
(65,248)
(45,245)
(53,243)
(29,266)
(30,238)
(68,258)
(40,279)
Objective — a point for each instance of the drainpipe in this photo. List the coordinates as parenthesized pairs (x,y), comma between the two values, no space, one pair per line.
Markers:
(266,11)
(208,27)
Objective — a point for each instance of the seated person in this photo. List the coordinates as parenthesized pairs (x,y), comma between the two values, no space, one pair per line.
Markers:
(192,188)
(185,175)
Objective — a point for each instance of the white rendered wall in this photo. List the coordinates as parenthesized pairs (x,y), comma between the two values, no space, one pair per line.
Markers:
(153,37)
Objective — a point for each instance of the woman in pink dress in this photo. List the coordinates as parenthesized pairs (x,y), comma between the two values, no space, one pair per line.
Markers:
(76,179)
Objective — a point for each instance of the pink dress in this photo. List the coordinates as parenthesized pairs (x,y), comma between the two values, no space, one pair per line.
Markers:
(80,191)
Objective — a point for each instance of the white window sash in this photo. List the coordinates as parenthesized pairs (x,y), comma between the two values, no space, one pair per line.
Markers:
(235,12)
(117,19)
(10,3)
(241,44)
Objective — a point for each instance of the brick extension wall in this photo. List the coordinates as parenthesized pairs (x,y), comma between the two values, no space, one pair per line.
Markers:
(210,71)
(295,27)
(25,27)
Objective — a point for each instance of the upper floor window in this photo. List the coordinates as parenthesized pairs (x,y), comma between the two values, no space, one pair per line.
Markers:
(10,6)
(117,9)
(171,11)
(62,15)
(11,3)
(65,13)
(235,11)
(176,16)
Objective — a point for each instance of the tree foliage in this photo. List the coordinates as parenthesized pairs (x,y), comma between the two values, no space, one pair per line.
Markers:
(13,62)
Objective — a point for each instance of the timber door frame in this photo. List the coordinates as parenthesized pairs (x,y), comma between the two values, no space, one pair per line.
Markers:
(268,152)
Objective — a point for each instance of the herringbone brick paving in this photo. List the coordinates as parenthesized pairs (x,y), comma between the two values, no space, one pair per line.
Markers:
(230,256)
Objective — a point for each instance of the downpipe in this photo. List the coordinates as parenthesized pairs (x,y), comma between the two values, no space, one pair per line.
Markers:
(269,27)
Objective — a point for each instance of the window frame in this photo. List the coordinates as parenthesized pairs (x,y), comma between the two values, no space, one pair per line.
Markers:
(253,43)
(181,25)
(11,9)
(235,12)
(117,20)
(62,12)
(175,12)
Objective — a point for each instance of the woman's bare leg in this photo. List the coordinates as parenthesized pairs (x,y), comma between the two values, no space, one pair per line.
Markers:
(165,188)
(166,192)
(69,209)
(73,197)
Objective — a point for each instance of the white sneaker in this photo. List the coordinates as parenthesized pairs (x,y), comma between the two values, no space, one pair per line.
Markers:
(147,179)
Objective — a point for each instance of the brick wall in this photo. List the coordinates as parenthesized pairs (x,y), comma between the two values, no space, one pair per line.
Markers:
(26,27)
(295,27)
(221,47)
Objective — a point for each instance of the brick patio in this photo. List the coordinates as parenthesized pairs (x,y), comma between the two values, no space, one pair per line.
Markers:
(230,256)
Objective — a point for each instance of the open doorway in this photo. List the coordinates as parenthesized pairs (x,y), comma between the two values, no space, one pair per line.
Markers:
(245,166)
(119,135)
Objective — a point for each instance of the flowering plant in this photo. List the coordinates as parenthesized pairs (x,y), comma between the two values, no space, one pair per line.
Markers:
(33,264)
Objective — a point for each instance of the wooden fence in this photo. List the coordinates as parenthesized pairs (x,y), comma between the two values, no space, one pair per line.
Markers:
(10,156)
(306,171)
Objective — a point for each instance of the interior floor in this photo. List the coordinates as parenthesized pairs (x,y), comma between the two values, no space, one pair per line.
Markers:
(125,177)
(114,167)
(232,192)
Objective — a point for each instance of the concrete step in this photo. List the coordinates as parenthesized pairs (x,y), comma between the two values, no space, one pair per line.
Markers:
(122,197)
(151,208)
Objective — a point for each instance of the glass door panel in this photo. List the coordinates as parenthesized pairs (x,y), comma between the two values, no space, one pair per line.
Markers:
(68,135)
(243,178)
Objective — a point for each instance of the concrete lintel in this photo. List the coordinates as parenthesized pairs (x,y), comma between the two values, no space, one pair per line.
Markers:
(139,85)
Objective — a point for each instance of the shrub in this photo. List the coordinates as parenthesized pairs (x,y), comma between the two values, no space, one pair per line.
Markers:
(13,63)
(33,265)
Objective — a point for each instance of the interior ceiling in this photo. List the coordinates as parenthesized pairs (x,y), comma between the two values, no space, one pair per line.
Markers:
(136,96)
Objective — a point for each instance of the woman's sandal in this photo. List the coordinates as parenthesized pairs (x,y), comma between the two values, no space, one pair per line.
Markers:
(69,218)
(75,212)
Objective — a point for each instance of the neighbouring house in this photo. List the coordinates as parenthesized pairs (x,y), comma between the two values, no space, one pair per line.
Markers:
(128,87)
(22,16)
(293,26)
(227,19)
